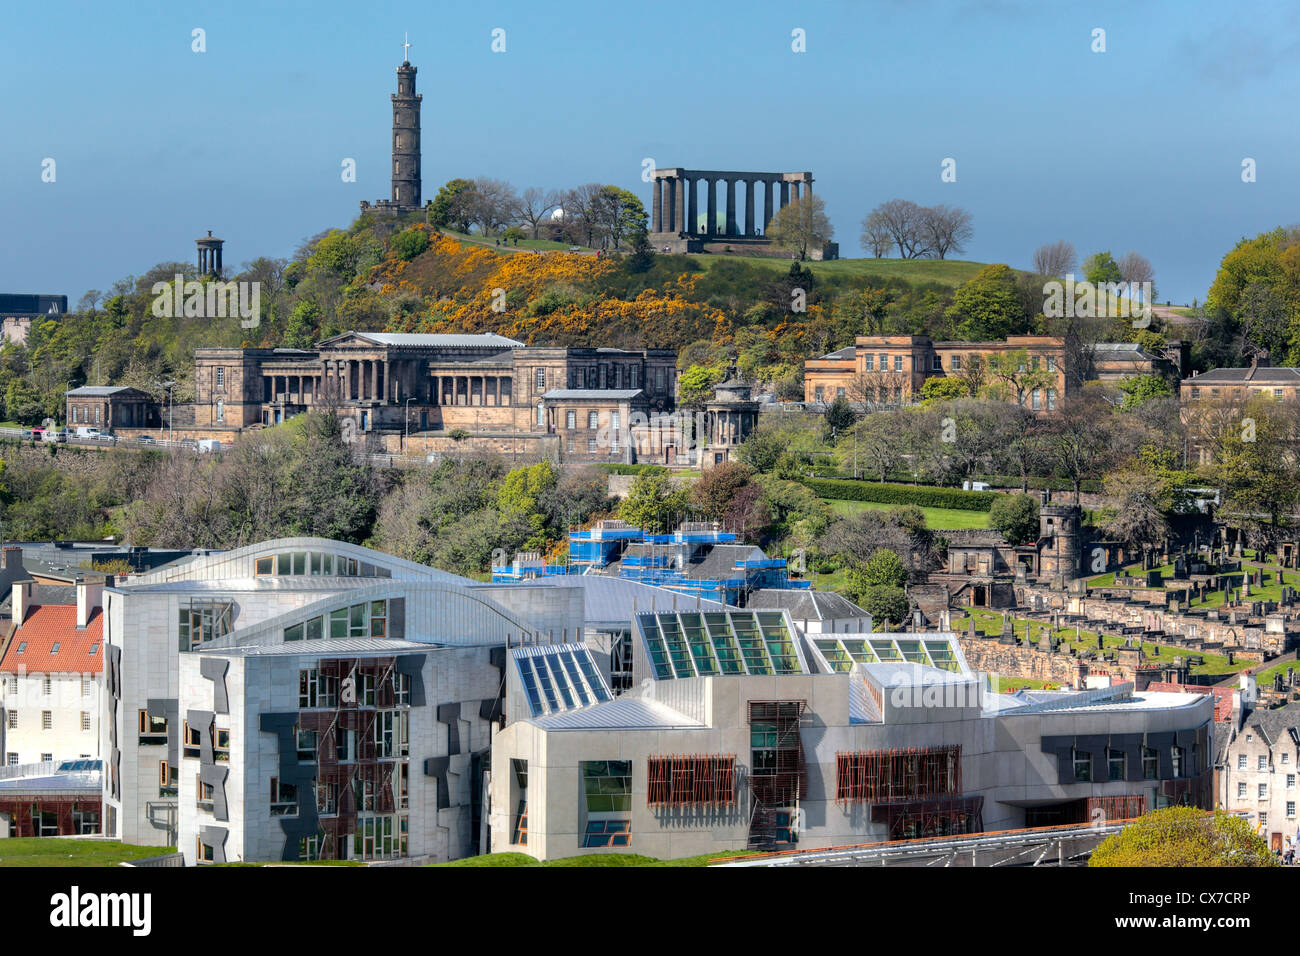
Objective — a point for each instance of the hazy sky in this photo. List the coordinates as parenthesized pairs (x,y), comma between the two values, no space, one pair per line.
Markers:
(1139,147)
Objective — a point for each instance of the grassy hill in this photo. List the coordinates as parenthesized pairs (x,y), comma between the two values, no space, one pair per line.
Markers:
(945,272)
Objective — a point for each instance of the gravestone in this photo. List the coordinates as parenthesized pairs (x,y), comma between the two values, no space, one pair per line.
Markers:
(1180,568)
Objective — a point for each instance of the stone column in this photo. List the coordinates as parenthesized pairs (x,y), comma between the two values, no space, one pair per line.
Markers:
(693,213)
(731,208)
(807,185)
(767,204)
(785,194)
(374,380)
(711,223)
(795,187)
(218,250)
(672,206)
(749,207)
(657,202)
(682,188)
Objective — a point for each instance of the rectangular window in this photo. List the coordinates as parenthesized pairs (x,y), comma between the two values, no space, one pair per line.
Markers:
(153,730)
(571,419)
(307,745)
(85,686)
(938,364)
(1290,781)
(1263,791)
(1051,363)
(47,720)
(607,833)
(819,394)
(613,420)
(1082,766)
(1150,764)
(12,759)
(205,792)
(221,378)
(48,683)
(539,380)
(284,799)
(203,852)
(1176,760)
(591,446)
(593,421)
(1115,761)
(702,780)
(85,720)
(168,780)
(607,785)
(316,689)
(1263,763)
(193,740)
(220,744)
(956,363)
(898,363)
(13,719)
(869,363)
(1051,399)
(1241,761)
(1038,399)
(1290,809)
(1241,791)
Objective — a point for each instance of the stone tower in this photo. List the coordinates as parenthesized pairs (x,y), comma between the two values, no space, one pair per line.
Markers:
(406,148)
(406,140)
(1060,544)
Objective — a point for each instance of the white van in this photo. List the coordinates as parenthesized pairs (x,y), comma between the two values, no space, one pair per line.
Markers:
(209,446)
(975,486)
(54,435)
(87,431)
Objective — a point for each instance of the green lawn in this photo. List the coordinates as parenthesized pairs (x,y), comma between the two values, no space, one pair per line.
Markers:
(990,622)
(52,851)
(594,859)
(948,272)
(937,518)
(490,242)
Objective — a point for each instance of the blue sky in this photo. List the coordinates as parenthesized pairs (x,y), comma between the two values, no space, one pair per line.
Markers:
(1139,147)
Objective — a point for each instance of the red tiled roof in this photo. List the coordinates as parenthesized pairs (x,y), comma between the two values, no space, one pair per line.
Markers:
(50,624)
(1222,695)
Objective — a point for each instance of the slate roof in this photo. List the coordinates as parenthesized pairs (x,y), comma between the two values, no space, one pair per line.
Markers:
(435,340)
(1282,375)
(50,624)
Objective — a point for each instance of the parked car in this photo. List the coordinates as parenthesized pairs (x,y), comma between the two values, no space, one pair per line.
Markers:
(146,440)
(106,437)
(209,446)
(975,486)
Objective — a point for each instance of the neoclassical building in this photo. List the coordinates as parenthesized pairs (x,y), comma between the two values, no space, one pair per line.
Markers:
(405,384)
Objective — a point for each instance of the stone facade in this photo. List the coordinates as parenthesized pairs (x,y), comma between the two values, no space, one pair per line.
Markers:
(406,148)
(109,408)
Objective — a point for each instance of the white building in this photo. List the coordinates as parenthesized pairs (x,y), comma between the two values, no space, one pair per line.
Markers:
(51,676)
(742,732)
(205,676)
(1261,760)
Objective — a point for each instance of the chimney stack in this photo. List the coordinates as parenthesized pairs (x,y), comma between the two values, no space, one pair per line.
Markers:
(23,596)
(89,596)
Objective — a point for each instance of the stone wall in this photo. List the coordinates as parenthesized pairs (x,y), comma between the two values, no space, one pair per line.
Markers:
(1018,660)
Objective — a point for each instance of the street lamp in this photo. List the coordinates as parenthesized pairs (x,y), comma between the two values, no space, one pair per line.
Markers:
(169,386)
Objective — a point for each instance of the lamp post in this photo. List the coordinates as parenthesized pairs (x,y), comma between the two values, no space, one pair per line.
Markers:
(169,386)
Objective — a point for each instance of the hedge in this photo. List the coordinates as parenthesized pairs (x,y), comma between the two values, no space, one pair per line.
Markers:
(849,490)
(622,469)
(997,481)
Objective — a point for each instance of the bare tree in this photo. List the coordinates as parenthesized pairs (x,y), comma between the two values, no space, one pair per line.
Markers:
(89,300)
(1055,259)
(493,205)
(582,212)
(535,205)
(900,219)
(1136,268)
(945,229)
(876,238)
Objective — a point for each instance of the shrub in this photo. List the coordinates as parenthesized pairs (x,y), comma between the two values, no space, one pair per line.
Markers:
(888,494)
(1184,836)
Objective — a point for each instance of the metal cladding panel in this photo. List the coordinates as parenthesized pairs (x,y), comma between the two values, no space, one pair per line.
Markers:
(214,669)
